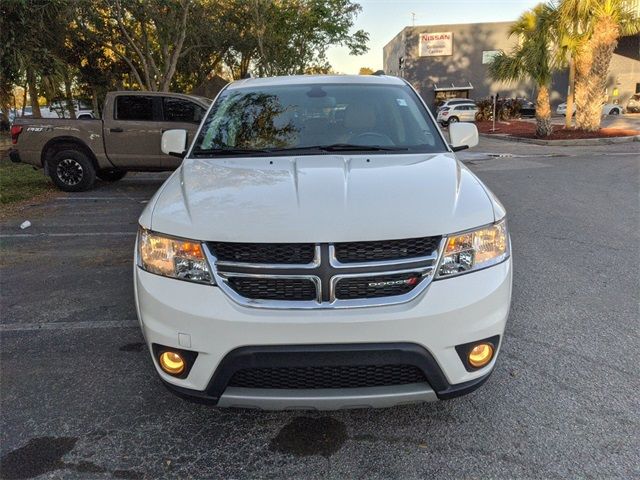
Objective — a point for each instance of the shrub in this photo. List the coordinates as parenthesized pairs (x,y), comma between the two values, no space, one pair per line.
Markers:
(506,109)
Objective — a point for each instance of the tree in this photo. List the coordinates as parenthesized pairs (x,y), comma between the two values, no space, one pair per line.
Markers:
(205,46)
(92,46)
(9,64)
(596,26)
(567,48)
(29,54)
(365,71)
(289,36)
(151,37)
(531,59)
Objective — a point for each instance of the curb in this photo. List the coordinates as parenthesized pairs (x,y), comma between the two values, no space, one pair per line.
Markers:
(563,143)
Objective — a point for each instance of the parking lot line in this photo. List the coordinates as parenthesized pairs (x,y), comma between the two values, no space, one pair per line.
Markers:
(123,197)
(80,234)
(19,327)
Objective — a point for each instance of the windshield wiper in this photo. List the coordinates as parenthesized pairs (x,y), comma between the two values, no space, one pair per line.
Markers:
(227,151)
(339,147)
(336,147)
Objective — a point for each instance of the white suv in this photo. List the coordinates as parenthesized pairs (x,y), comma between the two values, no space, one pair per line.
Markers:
(322,247)
(454,101)
(465,112)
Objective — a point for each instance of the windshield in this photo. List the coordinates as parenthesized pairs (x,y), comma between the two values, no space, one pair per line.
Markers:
(307,119)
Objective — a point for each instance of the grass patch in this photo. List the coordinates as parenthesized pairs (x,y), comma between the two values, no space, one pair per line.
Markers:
(21,182)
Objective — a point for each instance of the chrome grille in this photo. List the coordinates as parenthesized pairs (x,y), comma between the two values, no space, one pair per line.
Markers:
(353,252)
(376,286)
(274,288)
(265,253)
(305,275)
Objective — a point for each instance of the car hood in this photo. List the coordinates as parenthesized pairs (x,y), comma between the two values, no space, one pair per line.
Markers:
(320,198)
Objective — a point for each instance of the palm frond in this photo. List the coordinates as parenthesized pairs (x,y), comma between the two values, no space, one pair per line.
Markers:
(507,67)
(533,57)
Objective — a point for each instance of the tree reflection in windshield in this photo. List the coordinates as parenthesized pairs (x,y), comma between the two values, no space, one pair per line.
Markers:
(301,119)
(253,120)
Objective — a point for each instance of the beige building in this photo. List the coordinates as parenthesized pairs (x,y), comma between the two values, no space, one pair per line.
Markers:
(444,61)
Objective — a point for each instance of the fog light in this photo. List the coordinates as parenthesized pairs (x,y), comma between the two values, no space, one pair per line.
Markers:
(172,363)
(480,355)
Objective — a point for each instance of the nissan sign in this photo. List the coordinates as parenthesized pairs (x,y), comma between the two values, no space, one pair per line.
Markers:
(436,44)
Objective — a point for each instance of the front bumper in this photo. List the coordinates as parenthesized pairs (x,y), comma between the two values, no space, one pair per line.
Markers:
(203,319)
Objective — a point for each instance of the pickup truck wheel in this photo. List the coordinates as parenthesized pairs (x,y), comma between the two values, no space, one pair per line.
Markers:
(111,175)
(72,171)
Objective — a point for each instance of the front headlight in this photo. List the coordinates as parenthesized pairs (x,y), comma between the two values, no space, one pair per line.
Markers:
(474,250)
(172,257)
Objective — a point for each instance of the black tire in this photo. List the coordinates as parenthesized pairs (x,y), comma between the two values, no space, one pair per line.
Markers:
(453,120)
(615,111)
(111,175)
(72,171)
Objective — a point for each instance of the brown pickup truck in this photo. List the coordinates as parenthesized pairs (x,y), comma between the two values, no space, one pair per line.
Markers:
(74,152)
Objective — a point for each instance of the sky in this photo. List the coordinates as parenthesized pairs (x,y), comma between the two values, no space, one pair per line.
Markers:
(383,19)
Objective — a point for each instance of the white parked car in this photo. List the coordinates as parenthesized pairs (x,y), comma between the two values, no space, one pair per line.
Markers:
(321,247)
(465,112)
(607,109)
(28,110)
(59,109)
(454,101)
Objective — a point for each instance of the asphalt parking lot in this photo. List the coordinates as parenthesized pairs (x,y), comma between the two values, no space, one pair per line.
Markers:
(80,398)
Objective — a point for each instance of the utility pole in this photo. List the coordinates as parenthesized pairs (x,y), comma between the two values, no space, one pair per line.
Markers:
(413,19)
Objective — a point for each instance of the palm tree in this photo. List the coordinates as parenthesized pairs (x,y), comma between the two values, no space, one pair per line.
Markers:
(531,59)
(597,24)
(568,46)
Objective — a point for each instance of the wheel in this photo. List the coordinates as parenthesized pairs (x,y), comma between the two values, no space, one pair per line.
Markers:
(453,120)
(615,111)
(111,175)
(72,171)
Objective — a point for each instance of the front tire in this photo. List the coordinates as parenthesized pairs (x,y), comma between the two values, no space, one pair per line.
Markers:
(111,175)
(615,111)
(453,120)
(72,171)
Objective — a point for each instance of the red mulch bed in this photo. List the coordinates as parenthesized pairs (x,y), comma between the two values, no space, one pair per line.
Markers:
(518,128)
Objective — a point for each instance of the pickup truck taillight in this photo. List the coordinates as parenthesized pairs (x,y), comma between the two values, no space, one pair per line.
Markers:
(16,130)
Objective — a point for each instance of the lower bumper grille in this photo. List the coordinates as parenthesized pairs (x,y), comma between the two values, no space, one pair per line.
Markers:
(351,376)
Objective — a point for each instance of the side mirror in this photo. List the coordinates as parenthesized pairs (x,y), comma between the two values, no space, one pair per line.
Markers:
(174,143)
(463,135)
